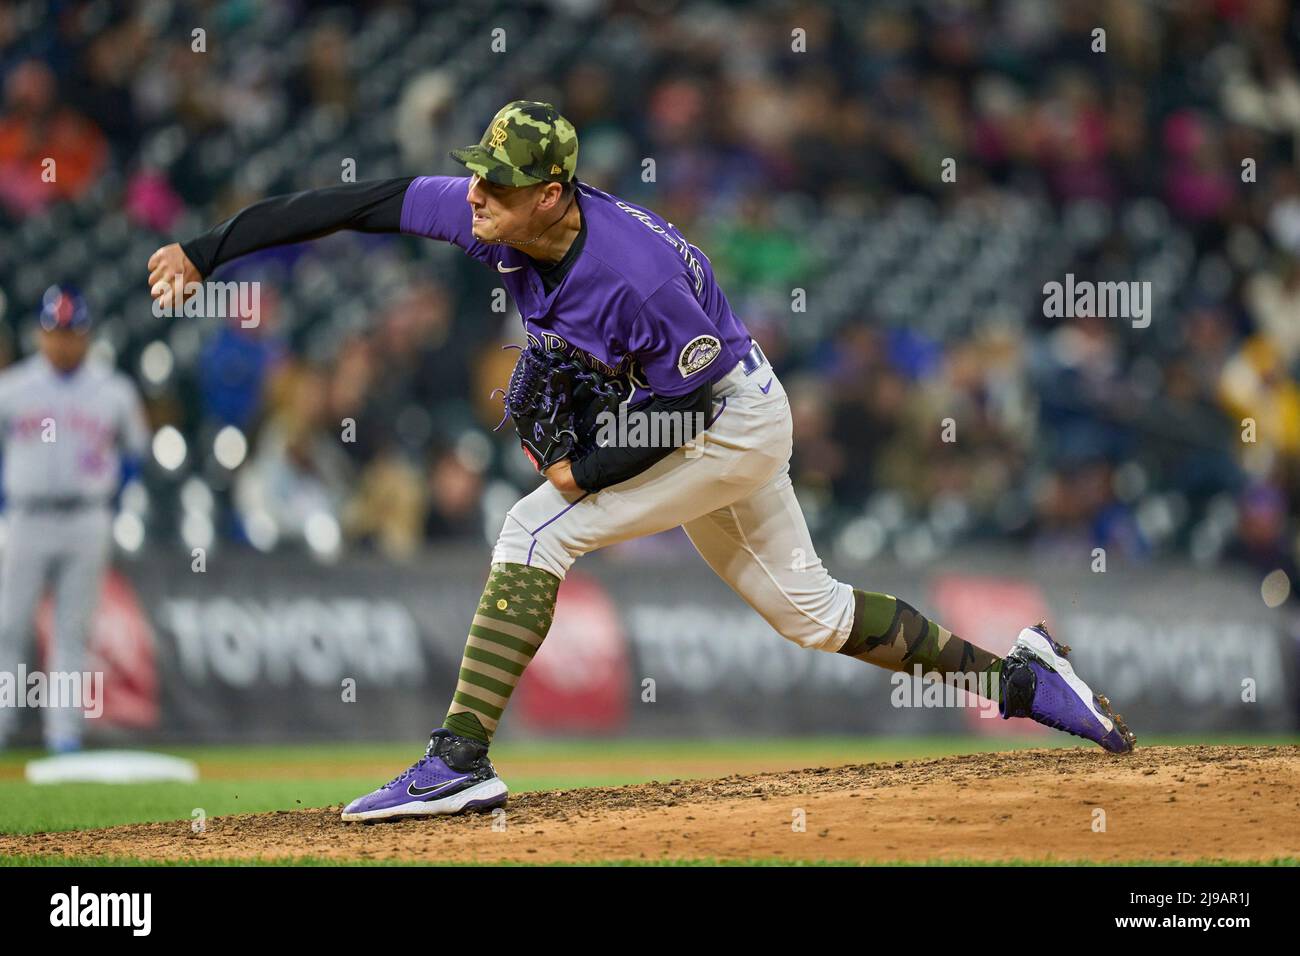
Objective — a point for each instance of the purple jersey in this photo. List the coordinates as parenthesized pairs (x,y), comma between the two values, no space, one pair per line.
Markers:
(639,301)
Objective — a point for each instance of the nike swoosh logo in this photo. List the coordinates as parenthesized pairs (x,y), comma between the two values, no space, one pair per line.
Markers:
(501,268)
(766,388)
(415,791)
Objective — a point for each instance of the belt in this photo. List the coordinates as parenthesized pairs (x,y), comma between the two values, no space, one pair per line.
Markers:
(754,359)
(61,505)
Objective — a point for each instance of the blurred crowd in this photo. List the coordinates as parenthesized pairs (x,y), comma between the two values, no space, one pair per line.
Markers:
(1162,148)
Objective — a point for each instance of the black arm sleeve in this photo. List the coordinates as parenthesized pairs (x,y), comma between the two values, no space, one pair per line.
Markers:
(374,206)
(609,465)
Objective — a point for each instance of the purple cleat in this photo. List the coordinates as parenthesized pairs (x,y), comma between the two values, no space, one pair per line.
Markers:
(453,776)
(1039,683)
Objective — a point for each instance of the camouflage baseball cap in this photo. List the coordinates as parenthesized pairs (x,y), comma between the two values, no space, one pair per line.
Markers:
(526,143)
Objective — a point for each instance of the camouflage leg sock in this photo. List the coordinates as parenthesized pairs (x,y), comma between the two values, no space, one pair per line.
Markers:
(890,633)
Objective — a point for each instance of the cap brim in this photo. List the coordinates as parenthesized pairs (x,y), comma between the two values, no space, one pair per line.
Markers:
(478,159)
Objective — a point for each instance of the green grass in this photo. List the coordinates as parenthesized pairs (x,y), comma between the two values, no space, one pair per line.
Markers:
(242,779)
(25,808)
(811,749)
(29,809)
(806,750)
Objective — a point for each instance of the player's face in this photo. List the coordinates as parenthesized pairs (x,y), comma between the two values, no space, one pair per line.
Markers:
(505,213)
(64,348)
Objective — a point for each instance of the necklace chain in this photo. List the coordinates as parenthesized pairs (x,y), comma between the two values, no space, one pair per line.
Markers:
(529,242)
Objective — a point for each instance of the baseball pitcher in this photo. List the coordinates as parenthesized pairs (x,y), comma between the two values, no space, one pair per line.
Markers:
(621,311)
(65,425)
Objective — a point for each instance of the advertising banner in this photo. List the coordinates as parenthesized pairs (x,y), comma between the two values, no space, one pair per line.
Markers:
(279,648)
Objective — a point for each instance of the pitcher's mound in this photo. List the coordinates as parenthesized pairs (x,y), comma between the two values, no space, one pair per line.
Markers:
(1161,804)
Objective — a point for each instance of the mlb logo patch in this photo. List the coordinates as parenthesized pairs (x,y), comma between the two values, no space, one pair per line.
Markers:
(697,354)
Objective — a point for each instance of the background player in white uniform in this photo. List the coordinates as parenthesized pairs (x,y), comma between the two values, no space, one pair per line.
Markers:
(65,423)
(617,288)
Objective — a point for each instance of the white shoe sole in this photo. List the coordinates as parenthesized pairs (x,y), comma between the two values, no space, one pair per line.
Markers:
(1041,648)
(496,787)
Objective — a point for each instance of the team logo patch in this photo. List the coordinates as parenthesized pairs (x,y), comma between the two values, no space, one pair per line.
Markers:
(697,354)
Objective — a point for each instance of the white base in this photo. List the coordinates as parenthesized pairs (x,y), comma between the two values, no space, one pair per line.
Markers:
(111,766)
(496,787)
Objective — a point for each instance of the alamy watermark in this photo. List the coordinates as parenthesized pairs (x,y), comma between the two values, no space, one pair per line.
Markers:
(53,689)
(935,690)
(1106,300)
(76,908)
(648,429)
(199,300)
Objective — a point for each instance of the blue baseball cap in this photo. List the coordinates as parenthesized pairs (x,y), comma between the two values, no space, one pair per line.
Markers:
(63,307)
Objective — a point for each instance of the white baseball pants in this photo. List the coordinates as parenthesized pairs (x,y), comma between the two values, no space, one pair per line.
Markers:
(69,553)
(730,491)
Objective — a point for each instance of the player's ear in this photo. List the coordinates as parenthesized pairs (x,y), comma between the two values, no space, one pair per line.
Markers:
(547,198)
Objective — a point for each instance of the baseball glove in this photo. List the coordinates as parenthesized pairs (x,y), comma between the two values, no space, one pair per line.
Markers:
(555,402)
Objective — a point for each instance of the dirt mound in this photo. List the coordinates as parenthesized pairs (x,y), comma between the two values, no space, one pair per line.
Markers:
(1159,803)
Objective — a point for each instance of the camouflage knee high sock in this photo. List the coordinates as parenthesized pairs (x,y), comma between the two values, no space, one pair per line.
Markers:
(513,617)
(890,633)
